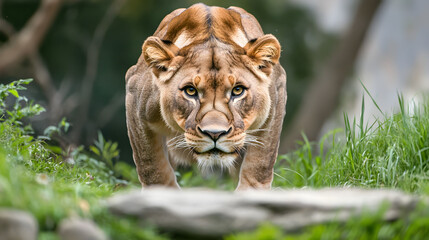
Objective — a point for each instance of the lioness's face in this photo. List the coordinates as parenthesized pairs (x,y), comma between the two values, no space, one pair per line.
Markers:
(216,98)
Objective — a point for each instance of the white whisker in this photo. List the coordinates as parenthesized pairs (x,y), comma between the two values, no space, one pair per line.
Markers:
(176,138)
(253,141)
(258,130)
(176,141)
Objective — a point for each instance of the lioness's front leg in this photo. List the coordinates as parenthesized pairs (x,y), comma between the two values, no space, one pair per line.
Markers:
(152,166)
(257,168)
(257,171)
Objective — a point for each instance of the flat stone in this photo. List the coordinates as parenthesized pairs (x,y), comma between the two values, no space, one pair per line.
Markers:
(214,213)
(79,228)
(17,225)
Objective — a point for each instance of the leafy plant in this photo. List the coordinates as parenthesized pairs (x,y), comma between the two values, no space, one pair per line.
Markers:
(53,183)
(50,132)
(21,108)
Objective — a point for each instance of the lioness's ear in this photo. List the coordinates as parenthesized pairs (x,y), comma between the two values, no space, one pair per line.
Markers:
(158,54)
(265,51)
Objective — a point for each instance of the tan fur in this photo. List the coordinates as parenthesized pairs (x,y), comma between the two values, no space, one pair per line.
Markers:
(179,97)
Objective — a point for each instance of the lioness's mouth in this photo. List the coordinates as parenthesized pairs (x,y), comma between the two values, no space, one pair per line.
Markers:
(214,151)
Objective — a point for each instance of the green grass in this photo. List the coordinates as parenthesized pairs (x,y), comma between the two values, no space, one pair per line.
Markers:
(38,176)
(393,152)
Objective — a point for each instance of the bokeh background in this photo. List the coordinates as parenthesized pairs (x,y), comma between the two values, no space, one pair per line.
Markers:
(77,52)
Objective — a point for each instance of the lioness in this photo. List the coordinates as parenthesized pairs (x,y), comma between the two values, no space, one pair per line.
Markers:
(207,89)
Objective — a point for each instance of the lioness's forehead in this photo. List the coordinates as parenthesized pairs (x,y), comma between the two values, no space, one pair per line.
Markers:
(214,56)
(217,66)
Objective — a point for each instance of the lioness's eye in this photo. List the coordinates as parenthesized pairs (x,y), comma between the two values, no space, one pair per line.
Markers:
(191,91)
(237,91)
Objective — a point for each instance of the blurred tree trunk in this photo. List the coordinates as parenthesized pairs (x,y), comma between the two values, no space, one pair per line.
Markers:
(321,98)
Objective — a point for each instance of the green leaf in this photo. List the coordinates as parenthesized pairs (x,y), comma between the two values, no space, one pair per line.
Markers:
(54,149)
(14,92)
(94,150)
(25,81)
(64,124)
(49,131)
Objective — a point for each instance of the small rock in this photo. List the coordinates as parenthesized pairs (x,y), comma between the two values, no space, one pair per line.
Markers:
(17,225)
(82,229)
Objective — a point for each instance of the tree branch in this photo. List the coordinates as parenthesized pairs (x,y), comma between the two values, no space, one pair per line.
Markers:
(28,39)
(92,65)
(109,110)
(40,71)
(6,28)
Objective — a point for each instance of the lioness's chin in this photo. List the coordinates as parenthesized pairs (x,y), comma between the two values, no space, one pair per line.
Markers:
(208,160)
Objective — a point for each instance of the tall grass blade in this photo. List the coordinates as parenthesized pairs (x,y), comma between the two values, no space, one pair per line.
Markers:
(373,100)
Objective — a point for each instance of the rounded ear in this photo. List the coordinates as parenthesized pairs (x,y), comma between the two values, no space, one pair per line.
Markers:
(158,54)
(265,51)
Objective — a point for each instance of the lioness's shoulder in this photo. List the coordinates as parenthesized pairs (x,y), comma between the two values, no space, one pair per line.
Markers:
(196,24)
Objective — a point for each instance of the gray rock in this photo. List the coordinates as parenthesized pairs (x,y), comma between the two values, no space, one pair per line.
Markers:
(82,229)
(17,225)
(214,213)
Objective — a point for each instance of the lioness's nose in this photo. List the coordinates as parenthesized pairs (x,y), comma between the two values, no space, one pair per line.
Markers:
(214,124)
(215,134)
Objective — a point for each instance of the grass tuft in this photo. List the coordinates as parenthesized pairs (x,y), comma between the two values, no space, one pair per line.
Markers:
(390,153)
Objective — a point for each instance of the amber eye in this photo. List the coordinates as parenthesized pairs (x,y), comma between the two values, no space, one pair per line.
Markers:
(191,91)
(237,91)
